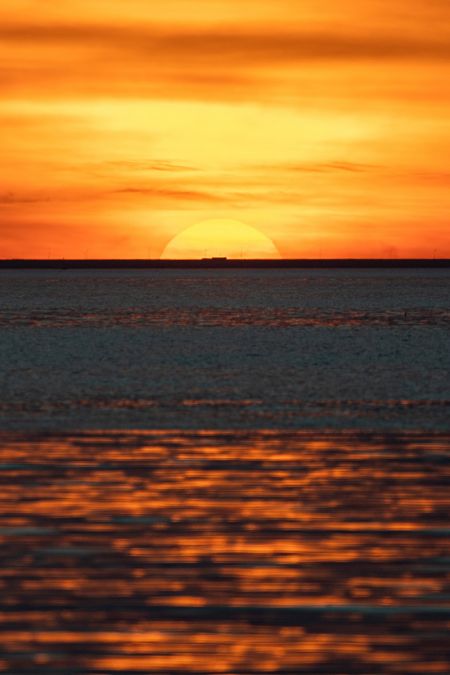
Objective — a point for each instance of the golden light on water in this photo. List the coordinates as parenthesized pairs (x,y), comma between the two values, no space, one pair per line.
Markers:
(221,237)
(199,552)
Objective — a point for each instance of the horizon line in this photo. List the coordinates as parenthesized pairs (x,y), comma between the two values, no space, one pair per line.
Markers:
(228,259)
(218,262)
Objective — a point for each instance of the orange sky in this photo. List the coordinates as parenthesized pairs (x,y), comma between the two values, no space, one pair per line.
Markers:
(323,123)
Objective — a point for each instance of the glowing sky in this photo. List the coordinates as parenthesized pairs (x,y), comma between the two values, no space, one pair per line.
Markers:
(323,123)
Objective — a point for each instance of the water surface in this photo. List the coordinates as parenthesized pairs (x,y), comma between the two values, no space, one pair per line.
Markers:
(243,553)
(361,349)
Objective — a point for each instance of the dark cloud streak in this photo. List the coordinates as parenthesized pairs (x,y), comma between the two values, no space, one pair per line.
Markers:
(155,165)
(318,167)
(168,193)
(7,198)
(170,47)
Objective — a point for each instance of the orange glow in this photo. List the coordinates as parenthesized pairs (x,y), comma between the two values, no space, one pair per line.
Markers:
(123,124)
(202,552)
(220,237)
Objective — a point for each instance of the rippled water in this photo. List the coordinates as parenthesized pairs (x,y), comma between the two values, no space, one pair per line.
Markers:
(225,349)
(268,317)
(235,553)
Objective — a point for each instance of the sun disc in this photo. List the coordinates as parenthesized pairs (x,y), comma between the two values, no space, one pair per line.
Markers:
(220,237)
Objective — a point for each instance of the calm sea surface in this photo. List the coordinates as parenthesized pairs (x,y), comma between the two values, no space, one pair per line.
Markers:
(235,472)
(225,349)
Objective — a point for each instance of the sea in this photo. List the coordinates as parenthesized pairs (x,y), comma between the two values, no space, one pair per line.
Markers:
(235,471)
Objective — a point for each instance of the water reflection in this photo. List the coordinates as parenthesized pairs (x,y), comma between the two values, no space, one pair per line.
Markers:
(224,553)
(281,317)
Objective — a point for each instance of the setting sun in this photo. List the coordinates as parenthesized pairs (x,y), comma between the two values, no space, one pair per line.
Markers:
(126,123)
(220,237)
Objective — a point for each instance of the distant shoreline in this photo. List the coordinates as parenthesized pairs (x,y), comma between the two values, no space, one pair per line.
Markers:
(338,263)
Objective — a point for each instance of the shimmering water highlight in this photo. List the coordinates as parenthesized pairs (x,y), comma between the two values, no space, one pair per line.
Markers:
(235,553)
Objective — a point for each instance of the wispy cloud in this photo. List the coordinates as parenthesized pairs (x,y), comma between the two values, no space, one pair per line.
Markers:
(170,194)
(172,46)
(171,62)
(318,167)
(9,198)
(151,165)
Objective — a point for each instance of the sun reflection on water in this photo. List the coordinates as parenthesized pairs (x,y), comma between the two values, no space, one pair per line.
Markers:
(224,553)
